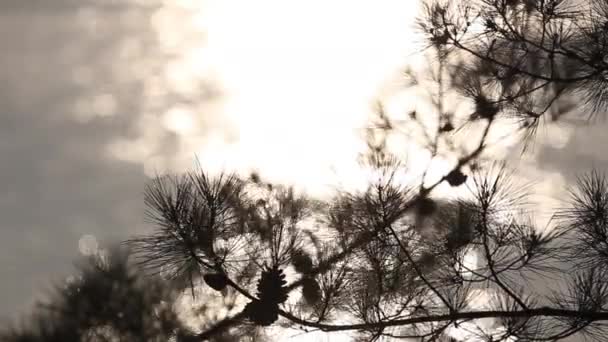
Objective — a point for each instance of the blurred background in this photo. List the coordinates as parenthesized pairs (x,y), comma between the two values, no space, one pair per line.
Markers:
(98,95)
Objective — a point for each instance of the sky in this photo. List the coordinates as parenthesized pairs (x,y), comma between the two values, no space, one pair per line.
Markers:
(98,95)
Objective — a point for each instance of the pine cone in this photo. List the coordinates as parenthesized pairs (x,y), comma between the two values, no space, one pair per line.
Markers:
(262,313)
(271,286)
(271,293)
(456,178)
(216,281)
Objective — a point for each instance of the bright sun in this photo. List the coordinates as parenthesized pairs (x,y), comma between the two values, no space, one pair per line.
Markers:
(299,80)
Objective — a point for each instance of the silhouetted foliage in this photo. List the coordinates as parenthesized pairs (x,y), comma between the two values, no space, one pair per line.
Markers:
(110,299)
(370,262)
(106,301)
(523,58)
(376,267)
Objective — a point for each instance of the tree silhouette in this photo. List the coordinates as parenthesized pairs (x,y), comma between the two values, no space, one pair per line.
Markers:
(533,54)
(395,260)
(111,299)
(379,265)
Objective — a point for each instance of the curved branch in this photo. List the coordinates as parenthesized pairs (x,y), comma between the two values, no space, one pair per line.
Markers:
(457,316)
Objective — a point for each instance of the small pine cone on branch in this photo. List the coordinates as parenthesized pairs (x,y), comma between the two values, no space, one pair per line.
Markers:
(271,286)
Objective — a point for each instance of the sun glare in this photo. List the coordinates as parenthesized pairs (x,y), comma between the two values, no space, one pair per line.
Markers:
(179,120)
(299,81)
